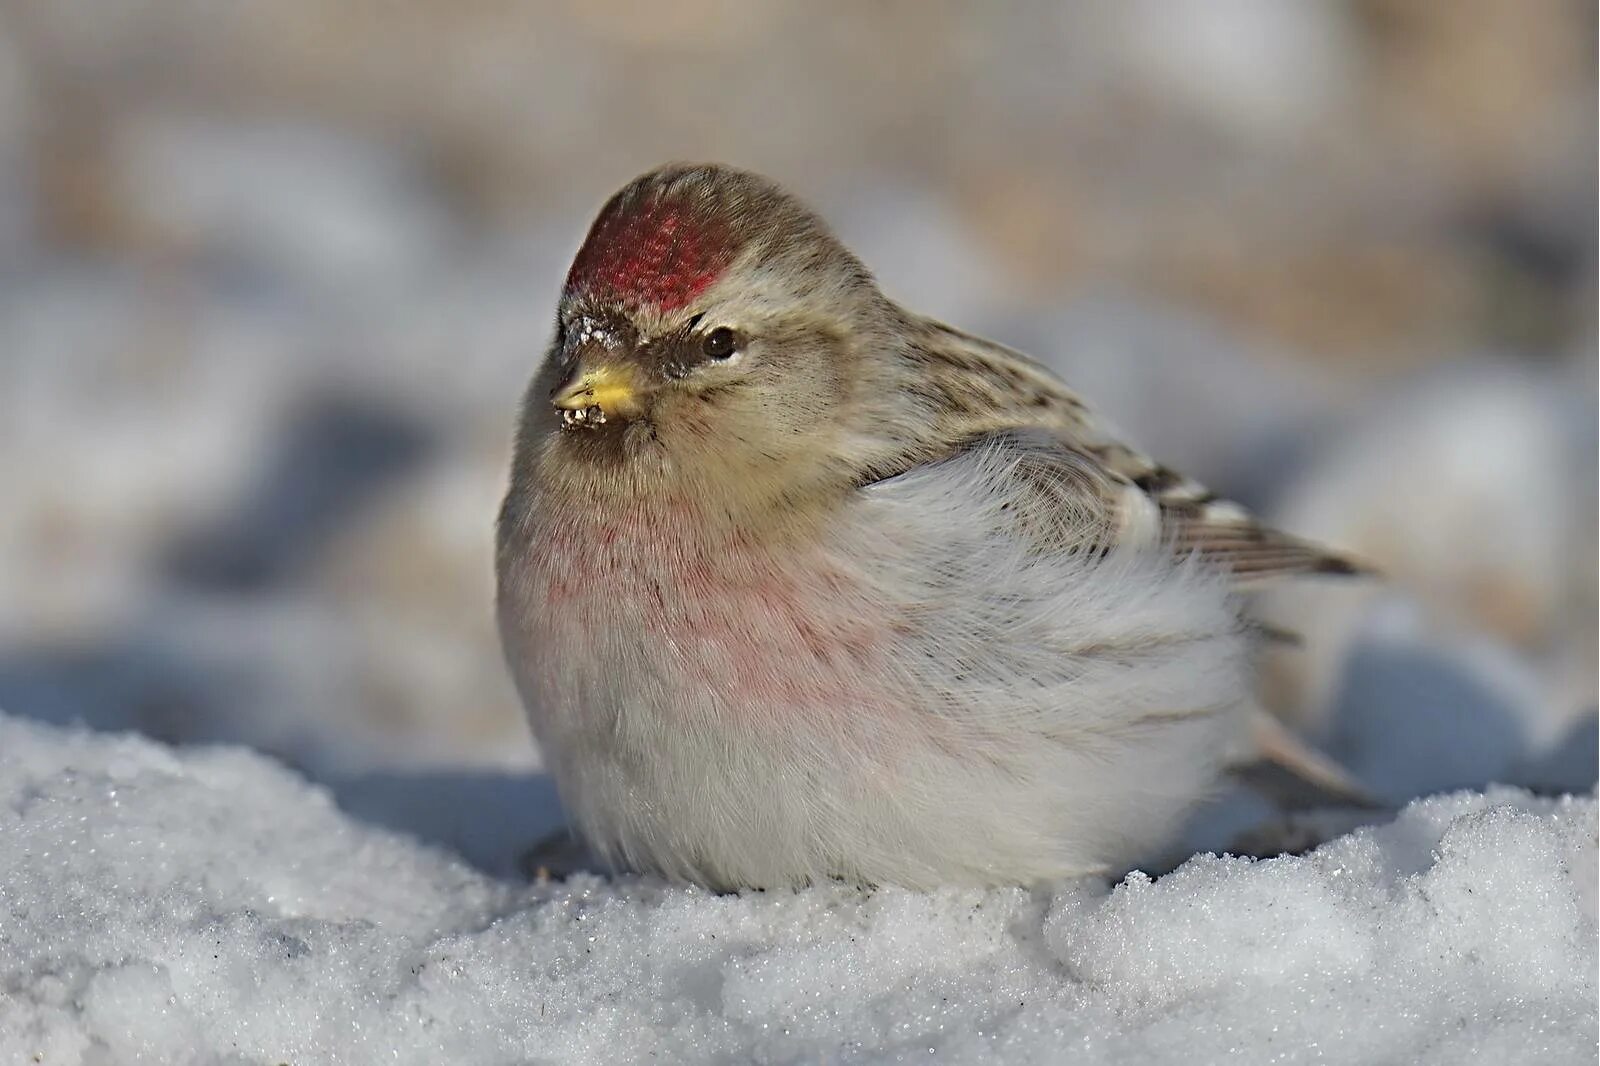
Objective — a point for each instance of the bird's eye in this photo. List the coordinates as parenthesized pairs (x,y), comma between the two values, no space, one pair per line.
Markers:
(720,343)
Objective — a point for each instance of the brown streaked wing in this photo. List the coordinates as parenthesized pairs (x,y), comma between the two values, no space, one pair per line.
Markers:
(1078,487)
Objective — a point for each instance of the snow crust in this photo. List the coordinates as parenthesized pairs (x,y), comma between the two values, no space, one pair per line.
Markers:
(207,905)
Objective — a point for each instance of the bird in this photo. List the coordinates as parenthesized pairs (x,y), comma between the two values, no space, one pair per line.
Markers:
(798,585)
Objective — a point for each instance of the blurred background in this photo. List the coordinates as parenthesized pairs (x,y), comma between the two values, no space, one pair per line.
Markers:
(272,276)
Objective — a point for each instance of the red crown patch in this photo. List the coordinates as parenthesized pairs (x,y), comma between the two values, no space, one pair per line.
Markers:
(653,254)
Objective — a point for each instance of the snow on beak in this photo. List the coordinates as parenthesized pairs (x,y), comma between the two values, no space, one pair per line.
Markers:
(594,392)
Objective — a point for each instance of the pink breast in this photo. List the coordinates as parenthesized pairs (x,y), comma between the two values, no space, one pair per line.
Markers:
(771,631)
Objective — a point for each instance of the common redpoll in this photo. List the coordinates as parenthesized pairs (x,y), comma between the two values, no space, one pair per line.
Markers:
(798,584)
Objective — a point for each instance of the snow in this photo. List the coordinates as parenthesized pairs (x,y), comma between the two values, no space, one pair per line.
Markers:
(207,905)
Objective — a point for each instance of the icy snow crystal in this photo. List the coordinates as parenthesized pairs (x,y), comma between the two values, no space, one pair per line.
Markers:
(208,906)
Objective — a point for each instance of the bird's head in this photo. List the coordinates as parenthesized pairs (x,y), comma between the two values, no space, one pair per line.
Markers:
(709,322)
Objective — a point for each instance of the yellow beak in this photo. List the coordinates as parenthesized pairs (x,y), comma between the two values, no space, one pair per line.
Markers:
(611,387)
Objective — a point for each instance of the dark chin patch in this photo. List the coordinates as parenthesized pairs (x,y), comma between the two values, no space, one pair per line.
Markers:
(652,253)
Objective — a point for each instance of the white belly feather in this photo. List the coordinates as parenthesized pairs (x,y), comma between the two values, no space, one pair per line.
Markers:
(924,698)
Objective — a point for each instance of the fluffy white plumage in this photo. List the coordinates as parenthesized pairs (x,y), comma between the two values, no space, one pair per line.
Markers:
(1040,714)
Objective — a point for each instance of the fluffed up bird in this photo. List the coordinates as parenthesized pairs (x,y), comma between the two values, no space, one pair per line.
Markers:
(797,584)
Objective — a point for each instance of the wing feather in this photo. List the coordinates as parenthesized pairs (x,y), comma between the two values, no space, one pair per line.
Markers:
(1076,485)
